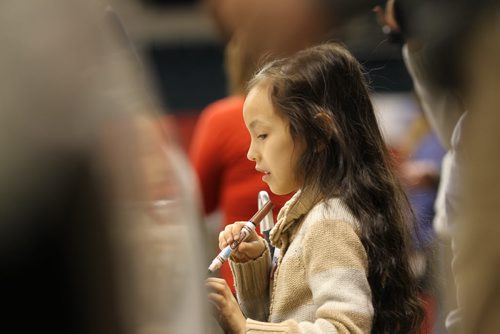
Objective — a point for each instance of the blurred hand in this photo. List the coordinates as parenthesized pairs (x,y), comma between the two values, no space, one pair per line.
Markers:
(252,248)
(386,17)
(226,309)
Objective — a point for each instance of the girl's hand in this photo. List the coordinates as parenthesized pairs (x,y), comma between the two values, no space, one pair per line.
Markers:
(226,309)
(252,248)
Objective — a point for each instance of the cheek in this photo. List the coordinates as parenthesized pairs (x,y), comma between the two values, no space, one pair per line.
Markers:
(288,164)
(296,157)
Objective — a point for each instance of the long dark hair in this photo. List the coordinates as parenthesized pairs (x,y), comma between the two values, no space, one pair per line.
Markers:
(322,93)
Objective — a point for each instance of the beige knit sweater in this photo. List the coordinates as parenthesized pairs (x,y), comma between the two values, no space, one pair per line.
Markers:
(319,284)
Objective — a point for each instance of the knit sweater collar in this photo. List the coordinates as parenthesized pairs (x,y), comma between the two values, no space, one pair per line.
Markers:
(292,211)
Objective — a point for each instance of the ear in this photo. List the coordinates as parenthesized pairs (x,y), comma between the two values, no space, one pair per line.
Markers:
(325,124)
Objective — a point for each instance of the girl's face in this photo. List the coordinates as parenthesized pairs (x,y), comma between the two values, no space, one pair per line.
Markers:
(272,147)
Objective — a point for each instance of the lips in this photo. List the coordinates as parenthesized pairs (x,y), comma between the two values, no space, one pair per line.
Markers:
(266,175)
(262,171)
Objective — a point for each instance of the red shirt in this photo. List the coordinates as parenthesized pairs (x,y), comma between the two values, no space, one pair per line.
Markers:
(228,180)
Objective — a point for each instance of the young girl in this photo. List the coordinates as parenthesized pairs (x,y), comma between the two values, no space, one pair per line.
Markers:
(344,237)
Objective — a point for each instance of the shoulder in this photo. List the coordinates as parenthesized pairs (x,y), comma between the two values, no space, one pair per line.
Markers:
(333,210)
(224,109)
(330,233)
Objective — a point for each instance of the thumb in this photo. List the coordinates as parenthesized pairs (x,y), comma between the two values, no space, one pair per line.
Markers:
(253,249)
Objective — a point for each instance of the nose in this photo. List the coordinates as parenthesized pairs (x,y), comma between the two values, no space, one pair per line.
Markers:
(251,155)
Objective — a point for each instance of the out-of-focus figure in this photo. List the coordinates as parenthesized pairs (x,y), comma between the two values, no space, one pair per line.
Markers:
(479,287)
(99,226)
(461,52)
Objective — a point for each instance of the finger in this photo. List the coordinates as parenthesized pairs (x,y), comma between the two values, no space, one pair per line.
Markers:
(218,300)
(390,19)
(222,241)
(218,287)
(214,285)
(214,306)
(244,248)
(231,232)
(228,233)
(252,249)
(215,279)
(225,238)
(219,284)
(236,229)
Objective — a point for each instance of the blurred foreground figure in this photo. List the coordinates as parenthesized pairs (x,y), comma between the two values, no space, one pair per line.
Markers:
(464,49)
(99,232)
(466,53)
(479,284)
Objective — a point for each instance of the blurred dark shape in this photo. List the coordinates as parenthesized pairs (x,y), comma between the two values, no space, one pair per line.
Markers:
(445,27)
(95,198)
(188,76)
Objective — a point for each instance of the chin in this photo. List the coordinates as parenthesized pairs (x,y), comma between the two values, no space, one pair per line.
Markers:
(278,191)
(274,190)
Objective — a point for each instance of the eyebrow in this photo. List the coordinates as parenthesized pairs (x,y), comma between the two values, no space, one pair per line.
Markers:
(256,122)
(253,123)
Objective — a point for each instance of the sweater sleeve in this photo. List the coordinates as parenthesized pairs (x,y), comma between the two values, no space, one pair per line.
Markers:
(336,268)
(252,285)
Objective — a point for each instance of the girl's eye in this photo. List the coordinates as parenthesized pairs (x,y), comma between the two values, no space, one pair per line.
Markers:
(262,136)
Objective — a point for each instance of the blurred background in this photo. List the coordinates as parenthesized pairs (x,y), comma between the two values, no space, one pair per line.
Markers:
(183,44)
